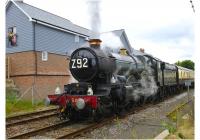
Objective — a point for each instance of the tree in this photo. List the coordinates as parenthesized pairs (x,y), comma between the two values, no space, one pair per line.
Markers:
(178,63)
(186,64)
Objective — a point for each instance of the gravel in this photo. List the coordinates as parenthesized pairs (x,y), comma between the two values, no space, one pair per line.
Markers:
(144,124)
(61,131)
(33,125)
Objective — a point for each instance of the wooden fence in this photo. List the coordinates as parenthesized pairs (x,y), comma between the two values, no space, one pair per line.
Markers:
(8,67)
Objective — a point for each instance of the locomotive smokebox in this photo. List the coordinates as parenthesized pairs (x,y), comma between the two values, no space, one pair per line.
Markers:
(95,43)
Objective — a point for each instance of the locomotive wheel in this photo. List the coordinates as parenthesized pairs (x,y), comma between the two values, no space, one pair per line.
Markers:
(72,115)
(115,106)
(130,106)
(97,115)
(156,97)
(61,115)
(141,101)
(161,94)
(150,99)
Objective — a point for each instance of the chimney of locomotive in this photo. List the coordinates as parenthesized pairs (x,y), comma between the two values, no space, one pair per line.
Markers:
(95,43)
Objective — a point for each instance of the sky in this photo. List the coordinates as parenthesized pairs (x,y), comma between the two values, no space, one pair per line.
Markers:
(164,29)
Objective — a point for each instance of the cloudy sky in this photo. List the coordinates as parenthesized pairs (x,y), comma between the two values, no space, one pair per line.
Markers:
(164,28)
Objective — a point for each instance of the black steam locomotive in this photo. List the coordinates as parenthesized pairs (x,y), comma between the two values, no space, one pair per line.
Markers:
(110,82)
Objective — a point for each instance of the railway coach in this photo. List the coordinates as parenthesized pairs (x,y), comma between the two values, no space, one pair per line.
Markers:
(185,75)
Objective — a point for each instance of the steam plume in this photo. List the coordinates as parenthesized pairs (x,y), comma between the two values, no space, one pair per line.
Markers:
(94,12)
(148,84)
(111,42)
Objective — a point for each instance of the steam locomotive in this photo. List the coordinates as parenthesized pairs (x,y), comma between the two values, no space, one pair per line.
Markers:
(110,82)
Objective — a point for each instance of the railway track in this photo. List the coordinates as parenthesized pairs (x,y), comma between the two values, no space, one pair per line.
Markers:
(41,130)
(67,129)
(70,129)
(92,126)
(24,118)
(84,129)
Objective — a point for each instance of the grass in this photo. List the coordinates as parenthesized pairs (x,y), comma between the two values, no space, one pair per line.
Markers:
(184,131)
(184,123)
(21,106)
(14,106)
(170,127)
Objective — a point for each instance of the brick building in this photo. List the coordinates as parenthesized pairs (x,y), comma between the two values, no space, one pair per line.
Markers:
(38,45)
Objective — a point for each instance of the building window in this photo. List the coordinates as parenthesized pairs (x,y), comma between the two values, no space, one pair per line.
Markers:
(44,56)
(12,36)
(76,38)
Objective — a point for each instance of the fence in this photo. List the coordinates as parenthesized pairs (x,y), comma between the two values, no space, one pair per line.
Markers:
(182,113)
(8,67)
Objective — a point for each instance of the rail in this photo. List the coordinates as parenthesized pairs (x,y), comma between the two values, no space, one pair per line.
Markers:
(41,130)
(32,116)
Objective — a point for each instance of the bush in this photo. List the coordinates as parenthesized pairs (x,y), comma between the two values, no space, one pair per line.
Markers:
(14,104)
(11,95)
(169,127)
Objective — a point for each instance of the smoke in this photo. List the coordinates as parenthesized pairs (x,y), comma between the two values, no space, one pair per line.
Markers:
(111,42)
(148,84)
(94,12)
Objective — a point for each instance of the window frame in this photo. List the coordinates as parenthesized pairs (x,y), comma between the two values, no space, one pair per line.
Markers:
(12,30)
(44,56)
